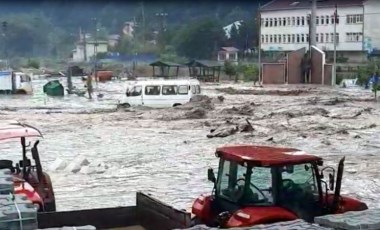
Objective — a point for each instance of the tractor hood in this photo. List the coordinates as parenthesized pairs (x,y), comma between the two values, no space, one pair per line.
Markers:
(259,215)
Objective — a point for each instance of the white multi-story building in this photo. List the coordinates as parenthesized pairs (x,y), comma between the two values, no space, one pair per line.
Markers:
(285,26)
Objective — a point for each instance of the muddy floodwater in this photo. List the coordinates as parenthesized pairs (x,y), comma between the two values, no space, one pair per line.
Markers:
(165,153)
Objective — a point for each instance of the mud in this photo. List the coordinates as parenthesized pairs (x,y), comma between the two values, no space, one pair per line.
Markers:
(146,150)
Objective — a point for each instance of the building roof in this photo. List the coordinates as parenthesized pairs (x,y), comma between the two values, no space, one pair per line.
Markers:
(204,63)
(167,64)
(230,49)
(306,4)
(265,156)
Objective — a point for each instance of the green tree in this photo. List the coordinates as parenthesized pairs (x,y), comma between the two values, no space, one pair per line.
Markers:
(250,73)
(200,39)
(230,69)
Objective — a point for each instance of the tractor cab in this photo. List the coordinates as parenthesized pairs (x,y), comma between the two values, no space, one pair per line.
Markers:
(262,185)
(28,176)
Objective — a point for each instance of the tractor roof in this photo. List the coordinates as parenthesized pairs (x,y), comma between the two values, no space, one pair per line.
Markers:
(265,156)
(15,129)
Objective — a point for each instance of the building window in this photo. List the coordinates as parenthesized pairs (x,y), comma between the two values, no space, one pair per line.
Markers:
(307,37)
(327,19)
(337,19)
(279,38)
(298,21)
(317,37)
(266,39)
(293,38)
(266,22)
(284,21)
(331,37)
(279,22)
(262,39)
(275,22)
(355,19)
(317,20)
(271,38)
(322,20)
(270,22)
(288,22)
(337,37)
(298,38)
(303,21)
(303,38)
(289,40)
(327,37)
(354,37)
(275,38)
(293,21)
(322,38)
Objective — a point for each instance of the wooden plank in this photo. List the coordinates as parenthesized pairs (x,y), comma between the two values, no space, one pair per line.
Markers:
(100,218)
(154,214)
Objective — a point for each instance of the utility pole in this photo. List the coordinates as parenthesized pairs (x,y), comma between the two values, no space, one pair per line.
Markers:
(5,27)
(143,22)
(259,38)
(313,24)
(83,33)
(335,44)
(95,49)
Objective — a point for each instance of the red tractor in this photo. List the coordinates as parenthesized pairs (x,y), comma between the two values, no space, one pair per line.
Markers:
(263,185)
(28,178)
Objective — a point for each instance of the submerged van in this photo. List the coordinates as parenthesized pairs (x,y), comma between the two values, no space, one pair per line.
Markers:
(160,93)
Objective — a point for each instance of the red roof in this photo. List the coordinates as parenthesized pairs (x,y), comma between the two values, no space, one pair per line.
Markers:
(265,155)
(14,129)
(302,4)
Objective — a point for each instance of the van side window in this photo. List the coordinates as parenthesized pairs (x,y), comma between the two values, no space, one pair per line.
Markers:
(169,90)
(193,90)
(183,89)
(152,90)
(198,91)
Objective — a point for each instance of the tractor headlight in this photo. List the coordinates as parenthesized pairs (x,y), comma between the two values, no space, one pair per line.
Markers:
(37,206)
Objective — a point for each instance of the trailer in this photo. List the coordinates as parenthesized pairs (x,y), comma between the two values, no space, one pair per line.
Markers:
(148,214)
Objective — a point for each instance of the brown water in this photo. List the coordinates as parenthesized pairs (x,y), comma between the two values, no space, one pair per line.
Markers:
(169,159)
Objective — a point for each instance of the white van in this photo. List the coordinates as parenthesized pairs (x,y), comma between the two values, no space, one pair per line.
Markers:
(160,93)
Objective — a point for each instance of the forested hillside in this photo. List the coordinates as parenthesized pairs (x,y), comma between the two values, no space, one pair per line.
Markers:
(192,28)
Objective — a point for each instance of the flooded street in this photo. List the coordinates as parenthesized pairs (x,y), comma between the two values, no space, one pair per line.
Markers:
(158,152)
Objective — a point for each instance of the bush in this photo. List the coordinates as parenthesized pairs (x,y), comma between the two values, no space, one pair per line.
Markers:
(230,69)
(250,73)
(33,64)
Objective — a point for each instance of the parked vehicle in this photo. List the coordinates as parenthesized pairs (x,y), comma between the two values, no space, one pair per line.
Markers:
(29,179)
(15,83)
(260,185)
(160,93)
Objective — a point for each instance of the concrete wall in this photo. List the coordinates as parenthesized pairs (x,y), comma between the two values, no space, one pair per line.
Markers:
(273,73)
(317,65)
(294,70)
(328,71)
(371,25)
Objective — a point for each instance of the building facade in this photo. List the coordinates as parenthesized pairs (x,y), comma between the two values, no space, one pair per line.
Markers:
(285,26)
(228,54)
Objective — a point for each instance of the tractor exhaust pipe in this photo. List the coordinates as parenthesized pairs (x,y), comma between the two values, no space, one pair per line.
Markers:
(339,177)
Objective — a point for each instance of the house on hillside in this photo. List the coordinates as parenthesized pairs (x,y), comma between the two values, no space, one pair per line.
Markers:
(285,26)
(85,48)
(228,54)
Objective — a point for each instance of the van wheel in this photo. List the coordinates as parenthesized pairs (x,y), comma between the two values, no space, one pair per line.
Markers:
(21,91)
(123,105)
(175,105)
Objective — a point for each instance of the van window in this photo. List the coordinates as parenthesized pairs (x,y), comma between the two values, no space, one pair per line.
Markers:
(152,90)
(169,90)
(183,89)
(198,91)
(135,91)
(193,90)
(24,78)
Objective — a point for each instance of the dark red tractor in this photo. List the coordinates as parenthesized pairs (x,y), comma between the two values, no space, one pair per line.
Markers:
(28,178)
(263,185)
